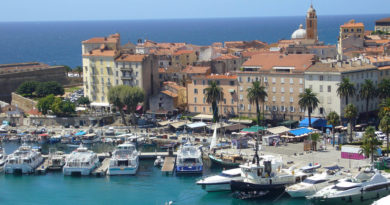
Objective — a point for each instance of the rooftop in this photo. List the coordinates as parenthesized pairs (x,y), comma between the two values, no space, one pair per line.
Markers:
(226,57)
(24,67)
(352,23)
(169,93)
(344,68)
(130,58)
(267,61)
(181,52)
(384,20)
(196,69)
(102,52)
(217,76)
(114,38)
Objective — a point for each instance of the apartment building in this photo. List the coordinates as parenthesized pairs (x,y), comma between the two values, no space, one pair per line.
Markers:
(196,94)
(324,80)
(283,79)
(184,58)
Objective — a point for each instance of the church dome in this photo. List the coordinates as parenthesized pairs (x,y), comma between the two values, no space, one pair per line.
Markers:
(299,34)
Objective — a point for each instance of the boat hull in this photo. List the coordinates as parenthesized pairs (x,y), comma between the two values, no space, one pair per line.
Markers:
(189,169)
(366,197)
(215,187)
(300,193)
(220,162)
(240,186)
(122,170)
(83,171)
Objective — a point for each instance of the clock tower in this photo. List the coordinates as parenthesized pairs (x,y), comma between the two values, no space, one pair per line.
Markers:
(311,24)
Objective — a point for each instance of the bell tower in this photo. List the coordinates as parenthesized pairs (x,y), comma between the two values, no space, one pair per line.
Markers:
(311,23)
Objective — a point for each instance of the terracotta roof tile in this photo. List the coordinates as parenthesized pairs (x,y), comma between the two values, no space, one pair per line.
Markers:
(352,23)
(180,52)
(226,57)
(102,52)
(267,61)
(101,40)
(216,76)
(130,58)
(384,20)
(169,93)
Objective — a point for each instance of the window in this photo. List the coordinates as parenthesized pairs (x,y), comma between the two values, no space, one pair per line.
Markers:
(265,79)
(292,109)
(248,79)
(204,100)
(231,82)
(241,97)
(291,80)
(321,77)
(101,71)
(267,108)
(282,108)
(321,88)
(300,90)
(102,98)
(273,89)
(249,107)
(195,91)
(274,108)
(194,99)
(195,108)
(218,82)
(291,90)
(224,101)
(282,80)
(232,101)
(242,107)
(273,80)
(204,91)
(329,88)
(101,61)
(136,74)
(117,82)
(329,78)
(321,110)
(204,109)
(239,79)
(273,98)
(194,82)
(282,99)
(310,78)
(203,82)
(300,81)
(241,88)
(282,89)
(291,99)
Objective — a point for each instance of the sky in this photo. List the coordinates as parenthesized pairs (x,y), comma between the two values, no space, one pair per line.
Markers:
(74,10)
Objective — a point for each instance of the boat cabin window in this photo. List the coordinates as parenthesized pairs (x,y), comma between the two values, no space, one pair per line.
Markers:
(230,175)
(311,181)
(344,188)
(190,160)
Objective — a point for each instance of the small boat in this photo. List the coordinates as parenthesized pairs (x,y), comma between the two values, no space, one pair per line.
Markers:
(43,138)
(81,162)
(88,138)
(23,161)
(56,160)
(55,139)
(110,131)
(159,161)
(310,168)
(226,160)
(220,182)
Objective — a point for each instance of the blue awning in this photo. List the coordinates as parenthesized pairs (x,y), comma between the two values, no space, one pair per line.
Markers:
(81,133)
(300,131)
(196,125)
(315,122)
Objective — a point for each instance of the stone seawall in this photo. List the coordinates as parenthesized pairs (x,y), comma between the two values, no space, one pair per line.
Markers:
(23,103)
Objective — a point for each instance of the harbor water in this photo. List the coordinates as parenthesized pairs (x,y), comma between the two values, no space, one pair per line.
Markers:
(148,186)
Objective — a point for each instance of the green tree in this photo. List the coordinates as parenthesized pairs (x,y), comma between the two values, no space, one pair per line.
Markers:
(44,104)
(333,119)
(315,137)
(79,70)
(368,92)
(131,97)
(115,98)
(384,89)
(384,108)
(346,89)
(255,95)
(83,101)
(47,88)
(56,106)
(67,69)
(308,100)
(67,108)
(27,88)
(370,142)
(351,114)
(214,95)
(384,125)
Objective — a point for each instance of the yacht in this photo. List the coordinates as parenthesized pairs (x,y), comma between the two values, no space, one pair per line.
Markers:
(266,175)
(80,162)
(56,160)
(314,183)
(220,182)
(23,161)
(124,160)
(367,185)
(3,158)
(189,160)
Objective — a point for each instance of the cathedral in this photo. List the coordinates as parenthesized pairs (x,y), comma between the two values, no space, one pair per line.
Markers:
(310,33)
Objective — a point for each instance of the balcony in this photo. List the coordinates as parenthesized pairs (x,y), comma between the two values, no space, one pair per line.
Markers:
(126,68)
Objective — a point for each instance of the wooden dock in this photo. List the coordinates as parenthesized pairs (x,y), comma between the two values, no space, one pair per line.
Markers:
(153,155)
(41,169)
(169,165)
(102,169)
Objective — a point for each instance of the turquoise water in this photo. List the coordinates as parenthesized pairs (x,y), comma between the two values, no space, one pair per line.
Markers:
(148,186)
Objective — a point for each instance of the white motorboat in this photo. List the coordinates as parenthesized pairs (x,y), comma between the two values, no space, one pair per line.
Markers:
(382,201)
(189,160)
(124,160)
(56,160)
(220,182)
(110,131)
(23,161)
(314,183)
(366,186)
(88,138)
(80,162)
(159,161)
(266,176)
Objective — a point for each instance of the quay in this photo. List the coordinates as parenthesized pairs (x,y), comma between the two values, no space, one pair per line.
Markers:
(153,155)
(41,169)
(169,165)
(102,169)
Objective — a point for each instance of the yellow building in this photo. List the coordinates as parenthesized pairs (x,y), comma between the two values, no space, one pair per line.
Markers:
(184,58)
(352,29)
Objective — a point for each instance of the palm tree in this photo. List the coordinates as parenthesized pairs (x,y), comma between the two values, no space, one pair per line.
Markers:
(255,95)
(368,91)
(384,125)
(370,142)
(350,114)
(384,108)
(308,100)
(346,89)
(384,89)
(67,70)
(213,95)
(333,119)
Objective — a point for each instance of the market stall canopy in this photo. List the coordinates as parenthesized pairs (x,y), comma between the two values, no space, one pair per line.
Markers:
(301,131)
(164,123)
(315,122)
(177,125)
(278,130)
(90,135)
(203,117)
(253,129)
(196,125)
(226,126)
(240,121)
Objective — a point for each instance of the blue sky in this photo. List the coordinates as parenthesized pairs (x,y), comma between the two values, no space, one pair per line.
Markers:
(70,10)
